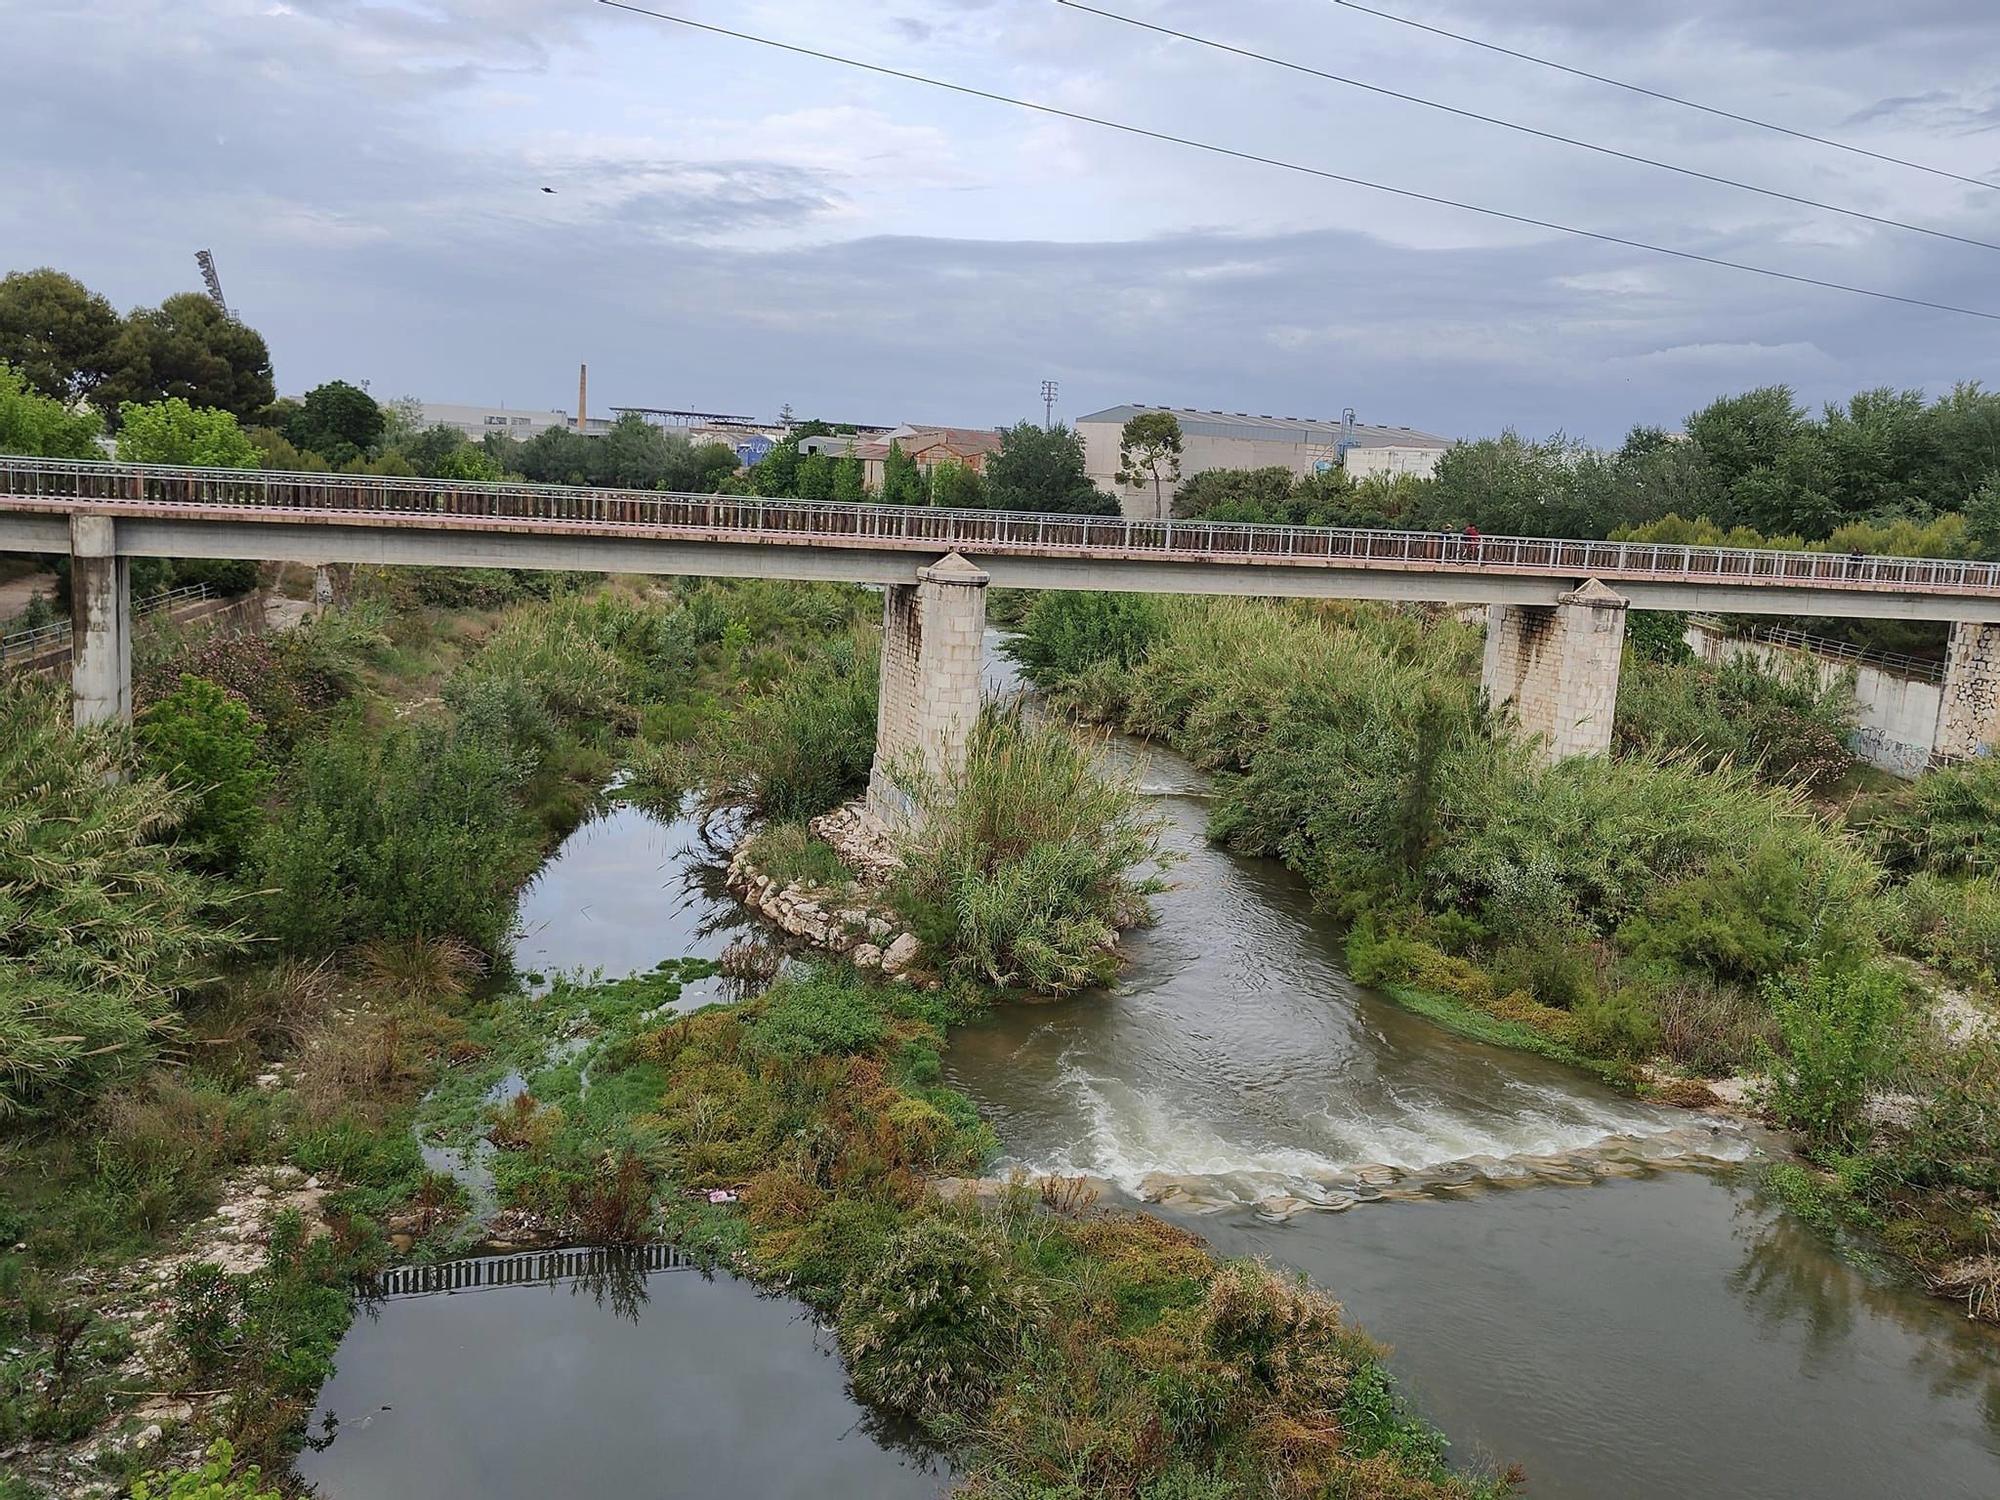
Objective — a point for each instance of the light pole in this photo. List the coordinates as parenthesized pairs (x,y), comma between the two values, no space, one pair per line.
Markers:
(1049,391)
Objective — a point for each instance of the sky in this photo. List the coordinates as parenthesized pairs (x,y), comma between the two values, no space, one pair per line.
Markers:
(737,229)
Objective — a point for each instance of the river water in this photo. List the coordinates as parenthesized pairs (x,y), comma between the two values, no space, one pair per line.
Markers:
(1589,1286)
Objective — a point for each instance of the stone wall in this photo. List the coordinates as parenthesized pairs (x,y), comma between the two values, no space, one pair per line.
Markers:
(1555,669)
(1969,715)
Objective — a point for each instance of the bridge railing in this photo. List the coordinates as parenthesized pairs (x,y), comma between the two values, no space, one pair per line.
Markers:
(750,519)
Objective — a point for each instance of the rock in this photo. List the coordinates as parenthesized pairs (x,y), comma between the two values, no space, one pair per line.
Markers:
(901,953)
(867,956)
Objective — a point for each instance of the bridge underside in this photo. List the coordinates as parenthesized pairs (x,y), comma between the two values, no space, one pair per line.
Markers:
(1552,657)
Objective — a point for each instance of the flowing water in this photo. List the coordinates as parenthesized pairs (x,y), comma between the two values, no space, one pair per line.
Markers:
(1592,1287)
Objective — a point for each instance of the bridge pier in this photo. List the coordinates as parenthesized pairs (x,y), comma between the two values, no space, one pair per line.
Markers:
(932,635)
(100,602)
(1555,668)
(1969,715)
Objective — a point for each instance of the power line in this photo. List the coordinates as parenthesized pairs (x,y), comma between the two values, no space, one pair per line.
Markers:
(1546,135)
(1291,166)
(1707,109)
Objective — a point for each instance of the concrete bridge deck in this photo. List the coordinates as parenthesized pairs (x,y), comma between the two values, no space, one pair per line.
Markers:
(1555,631)
(179,512)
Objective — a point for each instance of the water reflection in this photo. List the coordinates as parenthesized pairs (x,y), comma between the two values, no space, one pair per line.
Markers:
(1787,1276)
(623,1381)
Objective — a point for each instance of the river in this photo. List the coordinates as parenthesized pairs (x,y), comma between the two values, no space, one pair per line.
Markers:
(1589,1286)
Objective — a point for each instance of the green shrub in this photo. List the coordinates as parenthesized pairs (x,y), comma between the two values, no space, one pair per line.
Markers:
(1021,867)
(1946,822)
(210,1481)
(415,832)
(1787,721)
(802,747)
(1842,1033)
(931,1328)
(1064,632)
(101,924)
(1952,923)
(204,740)
(825,1012)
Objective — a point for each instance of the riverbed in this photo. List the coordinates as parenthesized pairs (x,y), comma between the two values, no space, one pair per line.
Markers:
(1589,1286)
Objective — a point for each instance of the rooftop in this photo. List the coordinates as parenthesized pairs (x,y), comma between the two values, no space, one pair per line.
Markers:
(1310,431)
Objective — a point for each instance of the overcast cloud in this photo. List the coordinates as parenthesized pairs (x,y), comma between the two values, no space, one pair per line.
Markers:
(734,228)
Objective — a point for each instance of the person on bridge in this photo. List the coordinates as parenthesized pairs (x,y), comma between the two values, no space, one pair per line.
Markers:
(1471,549)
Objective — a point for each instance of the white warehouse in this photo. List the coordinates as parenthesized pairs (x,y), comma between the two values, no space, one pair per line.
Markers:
(1237,440)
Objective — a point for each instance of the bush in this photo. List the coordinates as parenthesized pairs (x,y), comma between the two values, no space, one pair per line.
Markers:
(1946,822)
(827,1012)
(412,833)
(1064,632)
(205,741)
(101,925)
(789,854)
(1954,924)
(793,752)
(211,1481)
(1841,1032)
(1020,868)
(1786,721)
(930,1329)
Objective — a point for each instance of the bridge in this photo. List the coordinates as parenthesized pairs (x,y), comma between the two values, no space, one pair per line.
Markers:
(1556,608)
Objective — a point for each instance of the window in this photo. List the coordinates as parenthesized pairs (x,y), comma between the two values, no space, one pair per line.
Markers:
(496,421)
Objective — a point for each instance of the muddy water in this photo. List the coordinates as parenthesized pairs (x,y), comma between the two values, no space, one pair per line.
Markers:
(1587,1285)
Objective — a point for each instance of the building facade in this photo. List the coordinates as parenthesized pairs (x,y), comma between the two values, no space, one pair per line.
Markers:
(1237,440)
(510,421)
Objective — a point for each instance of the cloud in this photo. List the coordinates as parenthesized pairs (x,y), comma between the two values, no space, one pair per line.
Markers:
(736,228)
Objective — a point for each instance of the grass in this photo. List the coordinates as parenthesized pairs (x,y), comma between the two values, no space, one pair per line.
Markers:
(789,854)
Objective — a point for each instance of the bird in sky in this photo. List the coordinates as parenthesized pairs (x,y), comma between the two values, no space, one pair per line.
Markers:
(548,190)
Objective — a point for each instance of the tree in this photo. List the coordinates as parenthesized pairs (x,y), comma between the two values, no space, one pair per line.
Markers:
(204,741)
(850,481)
(902,481)
(957,486)
(1740,433)
(1150,449)
(173,432)
(1982,520)
(1237,495)
(40,426)
(815,478)
(187,348)
(339,421)
(555,455)
(1042,469)
(56,332)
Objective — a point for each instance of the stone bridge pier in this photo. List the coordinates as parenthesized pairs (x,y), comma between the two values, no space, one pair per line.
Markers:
(1969,712)
(932,634)
(100,603)
(1555,668)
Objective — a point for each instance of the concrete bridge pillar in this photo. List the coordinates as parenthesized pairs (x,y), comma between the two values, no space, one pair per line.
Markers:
(100,595)
(1969,713)
(932,633)
(1555,668)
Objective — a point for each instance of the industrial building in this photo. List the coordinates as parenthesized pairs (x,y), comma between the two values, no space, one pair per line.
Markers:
(1238,440)
(520,422)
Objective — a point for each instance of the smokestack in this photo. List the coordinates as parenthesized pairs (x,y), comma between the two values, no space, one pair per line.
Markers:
(582,395)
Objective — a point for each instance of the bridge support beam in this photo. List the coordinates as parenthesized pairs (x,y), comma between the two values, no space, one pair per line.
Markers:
(1555,668)
(100,595)
(932,633)
(1969,715)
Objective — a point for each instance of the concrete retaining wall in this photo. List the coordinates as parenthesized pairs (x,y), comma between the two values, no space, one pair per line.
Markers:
(1899,715)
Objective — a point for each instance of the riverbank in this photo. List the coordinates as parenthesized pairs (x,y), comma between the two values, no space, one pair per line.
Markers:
(1665,913)
(192,1223)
